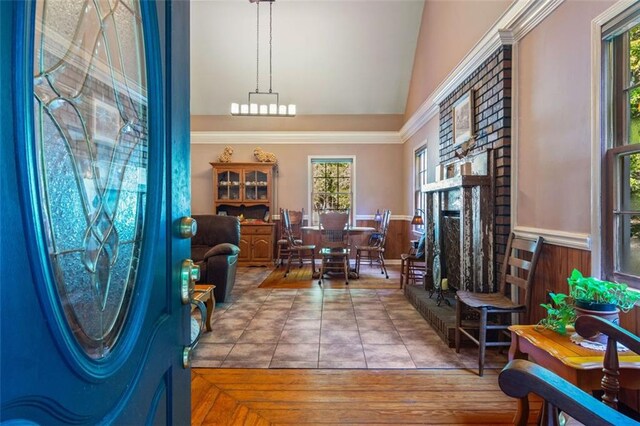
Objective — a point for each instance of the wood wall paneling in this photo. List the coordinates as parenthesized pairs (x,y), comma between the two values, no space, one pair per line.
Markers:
(398,238)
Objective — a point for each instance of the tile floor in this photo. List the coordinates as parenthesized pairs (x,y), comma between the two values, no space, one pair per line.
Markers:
(331,328)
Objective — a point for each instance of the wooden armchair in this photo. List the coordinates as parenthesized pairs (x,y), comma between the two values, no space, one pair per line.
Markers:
(374,249)
(520,377)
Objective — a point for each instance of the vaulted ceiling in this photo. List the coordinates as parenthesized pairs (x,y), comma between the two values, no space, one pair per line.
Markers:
(329,56)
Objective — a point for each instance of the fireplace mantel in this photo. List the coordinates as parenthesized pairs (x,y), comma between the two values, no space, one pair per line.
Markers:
(457,182)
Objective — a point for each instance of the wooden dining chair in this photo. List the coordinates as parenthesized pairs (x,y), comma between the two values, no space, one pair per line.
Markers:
(494,310)
(412,264)
(295,218)
(374,250)
(296,247)
(334,237)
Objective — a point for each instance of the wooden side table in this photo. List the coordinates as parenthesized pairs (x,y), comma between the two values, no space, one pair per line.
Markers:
(574,363)
(204,293)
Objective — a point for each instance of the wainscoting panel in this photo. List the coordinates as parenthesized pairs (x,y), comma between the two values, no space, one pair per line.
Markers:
(554,266)
(398,237)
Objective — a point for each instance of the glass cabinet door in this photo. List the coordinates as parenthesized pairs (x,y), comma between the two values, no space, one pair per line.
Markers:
(256,185)
(228,185)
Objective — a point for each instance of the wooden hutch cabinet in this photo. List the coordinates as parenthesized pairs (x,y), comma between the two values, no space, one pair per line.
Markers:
(246,190)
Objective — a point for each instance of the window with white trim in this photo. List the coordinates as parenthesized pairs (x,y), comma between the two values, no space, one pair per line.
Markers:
(420,176)
(332,185)
(621,177)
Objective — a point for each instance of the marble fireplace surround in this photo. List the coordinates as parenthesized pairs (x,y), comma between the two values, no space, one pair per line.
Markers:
(460,226)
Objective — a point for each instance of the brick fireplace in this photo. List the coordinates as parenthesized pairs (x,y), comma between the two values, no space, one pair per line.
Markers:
(469,206)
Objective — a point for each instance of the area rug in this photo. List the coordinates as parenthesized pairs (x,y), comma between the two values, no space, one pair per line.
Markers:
(301,277)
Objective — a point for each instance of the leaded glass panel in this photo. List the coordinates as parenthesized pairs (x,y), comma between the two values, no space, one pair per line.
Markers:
(90,99)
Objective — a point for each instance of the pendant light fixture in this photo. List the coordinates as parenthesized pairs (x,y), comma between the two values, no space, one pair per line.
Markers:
(253,108)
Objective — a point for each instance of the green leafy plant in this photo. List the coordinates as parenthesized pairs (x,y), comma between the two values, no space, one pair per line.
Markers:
(591,289)
(561,311)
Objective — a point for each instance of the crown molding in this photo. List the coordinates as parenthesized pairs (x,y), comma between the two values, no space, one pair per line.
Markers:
(315,138)
(521,17)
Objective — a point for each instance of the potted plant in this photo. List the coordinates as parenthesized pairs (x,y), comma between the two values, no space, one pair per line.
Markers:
(588,296)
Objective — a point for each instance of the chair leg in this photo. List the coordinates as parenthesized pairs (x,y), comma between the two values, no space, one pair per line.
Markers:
(358,254)
(382,265)
(288,265)
(459,307)
(482,339)
(346,269)
(279,257)
(321,270)
(313,262)
(401,272)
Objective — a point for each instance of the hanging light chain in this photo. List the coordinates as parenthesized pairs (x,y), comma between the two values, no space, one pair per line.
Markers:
(257,46)
(272,108)
(270,45)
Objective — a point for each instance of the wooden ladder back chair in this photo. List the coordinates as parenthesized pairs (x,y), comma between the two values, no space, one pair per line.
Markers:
(521,377)
(334,237)
(494,309)
(413,266)
(295,246)
(295,219)
(374,250)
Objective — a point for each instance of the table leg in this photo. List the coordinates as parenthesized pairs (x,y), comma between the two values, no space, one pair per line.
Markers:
(522,412)
(210,307)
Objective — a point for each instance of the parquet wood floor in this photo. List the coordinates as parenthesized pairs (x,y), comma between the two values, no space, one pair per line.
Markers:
(306,397)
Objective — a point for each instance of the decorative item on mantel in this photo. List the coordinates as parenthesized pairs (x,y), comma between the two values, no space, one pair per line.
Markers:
(465,148)
(225,157)
(264,156)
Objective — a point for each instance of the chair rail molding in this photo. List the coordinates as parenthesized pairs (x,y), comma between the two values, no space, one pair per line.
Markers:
(358,217)
(575,240)
(266,138)
(519,19)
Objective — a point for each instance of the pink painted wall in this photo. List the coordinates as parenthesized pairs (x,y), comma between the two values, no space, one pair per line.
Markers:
(449,30)
(554,134)
(379,173)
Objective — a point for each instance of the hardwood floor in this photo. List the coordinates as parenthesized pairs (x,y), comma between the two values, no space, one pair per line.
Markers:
(271,397)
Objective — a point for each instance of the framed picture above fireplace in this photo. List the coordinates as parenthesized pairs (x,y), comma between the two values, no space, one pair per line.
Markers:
(463,119)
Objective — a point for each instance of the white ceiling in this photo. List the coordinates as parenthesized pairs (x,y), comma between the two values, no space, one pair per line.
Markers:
(329,56)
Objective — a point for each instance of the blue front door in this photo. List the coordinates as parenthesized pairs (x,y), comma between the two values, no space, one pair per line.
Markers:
(95,323)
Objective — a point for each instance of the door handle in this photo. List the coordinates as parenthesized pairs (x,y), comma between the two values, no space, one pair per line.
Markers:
(188,227)
(189,274)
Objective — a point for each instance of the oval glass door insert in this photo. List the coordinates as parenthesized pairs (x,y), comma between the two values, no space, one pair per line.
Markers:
(90,100)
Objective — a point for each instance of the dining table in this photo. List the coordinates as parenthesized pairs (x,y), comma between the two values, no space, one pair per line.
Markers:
(311,235)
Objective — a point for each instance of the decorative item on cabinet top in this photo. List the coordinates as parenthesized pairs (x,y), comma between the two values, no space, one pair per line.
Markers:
(225,157)
(264,156)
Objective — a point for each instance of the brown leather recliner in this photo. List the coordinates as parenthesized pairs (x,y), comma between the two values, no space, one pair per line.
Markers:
(215,249)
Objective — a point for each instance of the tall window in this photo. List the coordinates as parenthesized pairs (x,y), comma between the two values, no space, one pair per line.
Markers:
(332,184)
(420,168)
(621,179)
